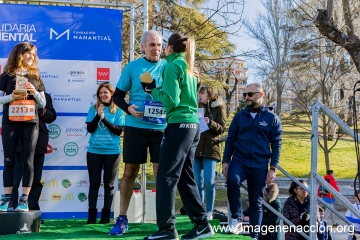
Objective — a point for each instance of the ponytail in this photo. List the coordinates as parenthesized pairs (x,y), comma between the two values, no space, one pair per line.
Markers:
(190,54)
(181,44)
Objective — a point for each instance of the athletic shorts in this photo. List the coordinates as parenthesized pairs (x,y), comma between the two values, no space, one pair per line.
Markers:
(136,143)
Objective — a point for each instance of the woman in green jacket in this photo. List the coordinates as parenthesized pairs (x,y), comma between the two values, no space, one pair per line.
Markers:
(181,136)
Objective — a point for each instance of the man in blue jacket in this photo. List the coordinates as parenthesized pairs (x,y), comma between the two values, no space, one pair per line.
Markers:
(254,138)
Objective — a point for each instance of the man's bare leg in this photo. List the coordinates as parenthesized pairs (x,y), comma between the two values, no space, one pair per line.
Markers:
(127,186)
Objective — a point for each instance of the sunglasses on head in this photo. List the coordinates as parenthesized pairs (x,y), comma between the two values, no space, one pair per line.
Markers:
(250,94)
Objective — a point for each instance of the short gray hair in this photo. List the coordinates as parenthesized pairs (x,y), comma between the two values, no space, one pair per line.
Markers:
(143,37)
(257,85)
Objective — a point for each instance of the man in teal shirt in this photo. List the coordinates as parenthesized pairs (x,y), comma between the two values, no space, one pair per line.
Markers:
(144,121)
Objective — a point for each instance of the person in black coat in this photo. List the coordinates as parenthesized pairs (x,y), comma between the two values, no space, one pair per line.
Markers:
(46,115)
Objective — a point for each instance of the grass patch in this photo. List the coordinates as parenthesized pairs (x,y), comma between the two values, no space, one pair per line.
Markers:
(78,229)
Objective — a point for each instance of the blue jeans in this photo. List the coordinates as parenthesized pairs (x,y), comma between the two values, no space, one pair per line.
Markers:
(256,178)
(204,173)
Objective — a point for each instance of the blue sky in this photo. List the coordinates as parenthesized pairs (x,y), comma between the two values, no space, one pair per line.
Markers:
(242,42)
(252,7)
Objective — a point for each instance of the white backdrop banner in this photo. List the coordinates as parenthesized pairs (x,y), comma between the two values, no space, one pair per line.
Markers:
(78,49)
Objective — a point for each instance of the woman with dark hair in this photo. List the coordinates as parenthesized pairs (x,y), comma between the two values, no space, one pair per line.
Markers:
(181,136)
(297,210)
(208,150)
(104,121)
(20,121)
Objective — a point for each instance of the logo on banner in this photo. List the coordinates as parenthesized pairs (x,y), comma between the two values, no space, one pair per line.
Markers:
(101,196)
(82,197)
(76,132)
(50,149)
(54,131)
(46,75)
(71,149)
(77,76)
(24,229)
(53,183)
(69,197)
(43,182)
(82,183)
(53,32)
(77,73)
(42,198)
(17,32)
(65,98)
(66,183)
(103,74)
(56,197)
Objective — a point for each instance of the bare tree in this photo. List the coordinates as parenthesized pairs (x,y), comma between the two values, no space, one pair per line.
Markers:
(224,80)
(274,35)
(343,36)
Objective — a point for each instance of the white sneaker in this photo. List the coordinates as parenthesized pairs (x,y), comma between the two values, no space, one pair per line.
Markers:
(235,227)
(209,216)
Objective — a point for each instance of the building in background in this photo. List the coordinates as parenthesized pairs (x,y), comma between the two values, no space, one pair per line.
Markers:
(231,72)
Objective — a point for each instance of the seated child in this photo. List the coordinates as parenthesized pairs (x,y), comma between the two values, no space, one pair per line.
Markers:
(323,231)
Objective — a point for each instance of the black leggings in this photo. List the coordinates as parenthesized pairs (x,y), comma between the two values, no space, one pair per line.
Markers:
(95,163)
(36,187)
(28,134)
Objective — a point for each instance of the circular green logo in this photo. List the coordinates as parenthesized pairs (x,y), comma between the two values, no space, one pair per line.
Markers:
(54,131)
(82,197)
(66,183)
(71,149)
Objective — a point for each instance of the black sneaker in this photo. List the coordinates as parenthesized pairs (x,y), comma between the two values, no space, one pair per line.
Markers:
(198,232)
(220,215)
(164,234)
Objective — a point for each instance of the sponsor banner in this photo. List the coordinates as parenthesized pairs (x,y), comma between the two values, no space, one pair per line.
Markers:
(72,84)
(78,49)
(68,193)
(63,33)
(68,142)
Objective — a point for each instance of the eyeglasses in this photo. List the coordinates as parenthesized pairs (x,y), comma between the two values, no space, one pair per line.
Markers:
(301,189)
(250,94)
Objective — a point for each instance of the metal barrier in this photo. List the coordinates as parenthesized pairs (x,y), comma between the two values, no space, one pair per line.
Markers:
(315,177)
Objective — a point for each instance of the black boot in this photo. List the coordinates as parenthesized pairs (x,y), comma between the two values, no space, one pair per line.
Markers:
(105,216)
(92,216)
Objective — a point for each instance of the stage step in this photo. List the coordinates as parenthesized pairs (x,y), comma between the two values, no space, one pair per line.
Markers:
(19,222)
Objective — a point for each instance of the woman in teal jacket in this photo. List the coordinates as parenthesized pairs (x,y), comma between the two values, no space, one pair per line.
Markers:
(181,136)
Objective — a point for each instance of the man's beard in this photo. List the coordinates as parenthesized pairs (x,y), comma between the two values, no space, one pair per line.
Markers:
(250,103)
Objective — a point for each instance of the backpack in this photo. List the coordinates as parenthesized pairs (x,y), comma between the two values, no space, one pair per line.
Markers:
(323,190)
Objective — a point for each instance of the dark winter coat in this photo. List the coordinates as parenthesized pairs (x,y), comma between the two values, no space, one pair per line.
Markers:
(209,144)
(253,141)
(46,115)
(292,212)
